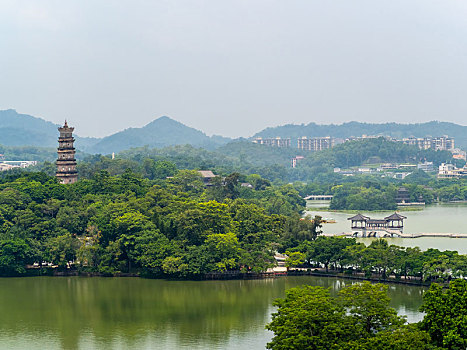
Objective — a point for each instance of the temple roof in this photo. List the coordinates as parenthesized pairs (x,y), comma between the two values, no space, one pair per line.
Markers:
(206,173)
(359,217)
(395,216)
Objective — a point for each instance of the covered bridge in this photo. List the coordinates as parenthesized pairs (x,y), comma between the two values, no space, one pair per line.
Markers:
(393,225)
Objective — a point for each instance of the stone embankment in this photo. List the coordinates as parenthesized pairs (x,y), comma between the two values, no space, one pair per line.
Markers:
(409,235)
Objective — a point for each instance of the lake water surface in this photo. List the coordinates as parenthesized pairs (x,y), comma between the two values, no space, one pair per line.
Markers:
(438,218)
(136,313)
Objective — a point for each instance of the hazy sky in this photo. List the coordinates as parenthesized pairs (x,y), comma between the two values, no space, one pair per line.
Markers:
(233,67)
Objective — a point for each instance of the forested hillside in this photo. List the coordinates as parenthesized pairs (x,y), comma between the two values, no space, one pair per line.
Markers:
(164,227)
(25,130)
(270,163)
(379,150)
(396,130)
(28,153)
(161,132)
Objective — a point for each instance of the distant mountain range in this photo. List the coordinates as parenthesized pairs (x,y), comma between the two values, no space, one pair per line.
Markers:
(25,130)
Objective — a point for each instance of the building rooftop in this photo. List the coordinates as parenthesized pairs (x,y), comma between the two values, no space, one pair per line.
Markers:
(359,217)
(206,173)
(395,216)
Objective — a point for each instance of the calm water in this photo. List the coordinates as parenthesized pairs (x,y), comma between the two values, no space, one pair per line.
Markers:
(133,313)
(446,218)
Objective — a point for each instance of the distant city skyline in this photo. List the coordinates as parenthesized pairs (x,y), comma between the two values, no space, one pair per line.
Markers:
(233,68)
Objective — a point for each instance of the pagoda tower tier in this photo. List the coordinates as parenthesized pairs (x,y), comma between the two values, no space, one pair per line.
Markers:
(66,162)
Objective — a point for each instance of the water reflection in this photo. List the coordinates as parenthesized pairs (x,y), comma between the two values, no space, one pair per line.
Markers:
(85,313)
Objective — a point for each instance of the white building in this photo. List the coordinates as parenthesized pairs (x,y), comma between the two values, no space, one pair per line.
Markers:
(448,171)
(426,166)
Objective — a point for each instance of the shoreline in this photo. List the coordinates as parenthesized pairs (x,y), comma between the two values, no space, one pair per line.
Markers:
(236,276)
(404,235)
(399,208)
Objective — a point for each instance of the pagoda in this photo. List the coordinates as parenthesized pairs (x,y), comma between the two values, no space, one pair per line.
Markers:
(66,162)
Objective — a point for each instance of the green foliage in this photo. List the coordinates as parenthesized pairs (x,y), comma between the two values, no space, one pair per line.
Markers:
(352,197)
(28,153)
(158,227)
(359,318)
(294,259)
(368,307)
(308,318)
(61,249)
(327,250)
(359,152)
(446,314)
(14,255)
(161,132)
(402,338)
(350,129)
(380,259)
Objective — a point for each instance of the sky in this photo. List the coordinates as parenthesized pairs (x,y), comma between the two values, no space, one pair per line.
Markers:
(233,67)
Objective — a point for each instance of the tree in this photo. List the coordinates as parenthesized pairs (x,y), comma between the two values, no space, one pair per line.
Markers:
(224,251)
(327,250)
(151,248)
(129,227)
(402,338)
(14,255)
(368,306)
(359,318)
(446,314)
(62,249)
(308,318)
(294,259)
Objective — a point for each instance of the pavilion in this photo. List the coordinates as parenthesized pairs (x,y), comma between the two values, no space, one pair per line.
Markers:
(393,224)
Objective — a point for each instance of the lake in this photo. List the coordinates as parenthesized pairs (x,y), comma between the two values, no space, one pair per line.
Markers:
(121,313)
(136,313)
(438,218)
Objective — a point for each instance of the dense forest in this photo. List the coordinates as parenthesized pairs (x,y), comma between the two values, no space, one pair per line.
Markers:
(173,224)
(28,153)
(173,227)
(314,175)
(275,163)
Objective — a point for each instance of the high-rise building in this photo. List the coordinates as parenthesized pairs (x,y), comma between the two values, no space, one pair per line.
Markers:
(315,143)
(442,143)
(274,142)
(66,162)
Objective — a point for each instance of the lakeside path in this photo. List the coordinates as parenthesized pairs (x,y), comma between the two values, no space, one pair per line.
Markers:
(409,235)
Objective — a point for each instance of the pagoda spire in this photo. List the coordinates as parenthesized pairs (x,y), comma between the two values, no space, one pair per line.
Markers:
(66,162)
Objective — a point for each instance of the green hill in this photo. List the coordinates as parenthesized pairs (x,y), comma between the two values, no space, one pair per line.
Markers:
(20,130)
(396,130)
(161,132)
(25,130)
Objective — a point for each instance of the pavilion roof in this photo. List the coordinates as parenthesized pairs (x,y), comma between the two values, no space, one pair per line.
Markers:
(359,217)
(395,216)
(376,221)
